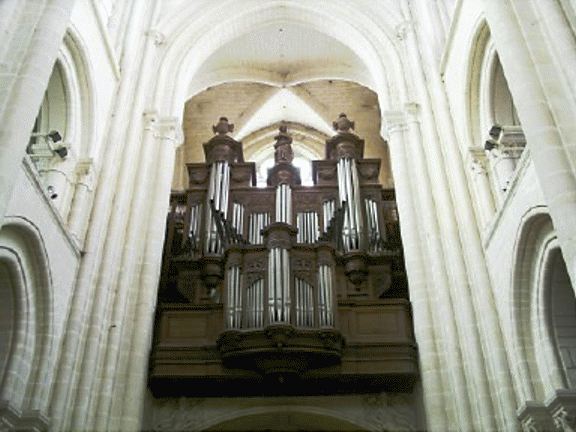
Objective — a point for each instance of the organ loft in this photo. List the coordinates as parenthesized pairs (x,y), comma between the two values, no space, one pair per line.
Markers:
(284,289)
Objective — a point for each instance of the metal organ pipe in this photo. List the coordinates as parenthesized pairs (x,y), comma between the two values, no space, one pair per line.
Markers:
(284,203)
(279,285)
(238,217)
(257,222)
(307,224)
(194,230)
(328,208)
(349,191)
(325,297)
(373,224)
(234,297)
(218,193)
(255,304)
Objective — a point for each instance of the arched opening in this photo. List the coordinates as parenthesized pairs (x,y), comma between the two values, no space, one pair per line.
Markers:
(561,314)
(25,324)
(257,109)
(203,86)
(285,421)
(61,142)
(544,311)
(7,317)
(496,136)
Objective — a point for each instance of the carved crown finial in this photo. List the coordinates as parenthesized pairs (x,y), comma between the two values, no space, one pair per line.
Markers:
(223,127)
(343,124)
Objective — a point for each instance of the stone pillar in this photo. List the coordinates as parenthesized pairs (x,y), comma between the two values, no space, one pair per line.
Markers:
(24,77)
(463,352)
(480,341)
(538,110)
(120,283)
(436,404)
(89,324)
(131,374)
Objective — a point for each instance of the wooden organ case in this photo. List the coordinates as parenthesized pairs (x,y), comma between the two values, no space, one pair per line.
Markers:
(286,289)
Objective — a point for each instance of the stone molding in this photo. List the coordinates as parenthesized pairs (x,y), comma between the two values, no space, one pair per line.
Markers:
(166,128)
(395,122)
(477,160)
(382,411)
(13,419)
(557,414)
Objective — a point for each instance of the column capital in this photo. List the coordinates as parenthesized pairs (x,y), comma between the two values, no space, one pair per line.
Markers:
(413,110)
(403,28)
(394,122)
(84,167)
(157,36)
(166,128)
(562,408)
(477,159)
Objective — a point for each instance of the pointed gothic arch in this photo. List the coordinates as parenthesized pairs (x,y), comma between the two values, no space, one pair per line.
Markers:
(543,312)
(27,324)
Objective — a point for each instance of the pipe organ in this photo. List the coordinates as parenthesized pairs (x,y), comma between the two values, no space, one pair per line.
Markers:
(288,289)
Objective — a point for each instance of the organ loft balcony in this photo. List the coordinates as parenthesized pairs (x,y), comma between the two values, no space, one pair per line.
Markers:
(285,289)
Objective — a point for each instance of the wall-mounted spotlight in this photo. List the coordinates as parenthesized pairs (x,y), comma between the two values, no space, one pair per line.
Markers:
(494,133)
(51,138)
(51,192)
(54,135)
(490,144)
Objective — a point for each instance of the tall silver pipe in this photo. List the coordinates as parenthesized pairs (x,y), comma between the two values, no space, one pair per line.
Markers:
(284,203)
(325,296)
(271,283)
(249,309)
(328,213)
(349,191)
(286,284)
(277,285)
(357,201)
(297,301)
(233,298)
(310,303)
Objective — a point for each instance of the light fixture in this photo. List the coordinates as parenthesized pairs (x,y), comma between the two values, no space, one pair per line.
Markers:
(490,144)
(54,135)
(51,192)
(51,138)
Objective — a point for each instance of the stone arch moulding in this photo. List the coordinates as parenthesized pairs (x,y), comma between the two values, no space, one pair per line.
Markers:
(187,419)
(72,114)
(182,58)
(80,75)
(538,371)
(26,379)
(482,51)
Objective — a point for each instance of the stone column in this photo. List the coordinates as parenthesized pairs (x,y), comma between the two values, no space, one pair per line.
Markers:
(418,275)
(538,109)
(118,284)
(463,351)
(89,325)
(24,77)
(480,340)
(131,372)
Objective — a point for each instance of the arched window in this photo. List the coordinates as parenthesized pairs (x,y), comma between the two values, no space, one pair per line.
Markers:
(497,138)
(544,330)
(61,141)
(561,314)
(25,323)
